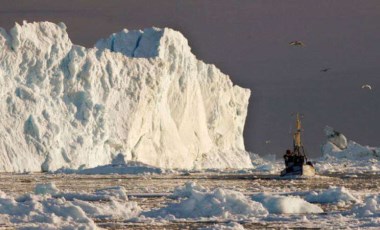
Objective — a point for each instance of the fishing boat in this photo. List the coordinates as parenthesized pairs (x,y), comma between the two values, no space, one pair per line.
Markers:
(296,162)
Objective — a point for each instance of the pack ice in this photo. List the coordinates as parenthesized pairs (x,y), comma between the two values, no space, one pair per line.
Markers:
(141,93)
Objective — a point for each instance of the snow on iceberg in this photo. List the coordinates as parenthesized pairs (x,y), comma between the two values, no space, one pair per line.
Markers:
(198,203)
(141,92)
(286,204)
(331,195)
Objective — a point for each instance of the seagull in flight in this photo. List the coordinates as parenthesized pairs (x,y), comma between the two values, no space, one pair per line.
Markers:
(296,43)
(367,86)
(325,70)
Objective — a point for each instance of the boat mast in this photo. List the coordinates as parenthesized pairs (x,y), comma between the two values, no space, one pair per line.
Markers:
(297,144)
(297,133)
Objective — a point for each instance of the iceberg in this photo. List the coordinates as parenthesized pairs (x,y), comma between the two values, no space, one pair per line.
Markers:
(141,93)
(338,147)
(340,155)
(336,138)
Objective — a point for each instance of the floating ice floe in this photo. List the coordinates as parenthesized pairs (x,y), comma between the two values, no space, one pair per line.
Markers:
(342,156)
(286,204)
(331,195)
(104,194)
(369,208)
(187,190)
(198,203)
(49,208)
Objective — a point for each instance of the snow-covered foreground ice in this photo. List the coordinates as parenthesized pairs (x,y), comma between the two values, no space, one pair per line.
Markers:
(48,208)
(198,202)
(208,201)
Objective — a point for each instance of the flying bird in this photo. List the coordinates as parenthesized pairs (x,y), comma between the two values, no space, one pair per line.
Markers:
(267,142)
(296,43)
(367,86)
(325,70)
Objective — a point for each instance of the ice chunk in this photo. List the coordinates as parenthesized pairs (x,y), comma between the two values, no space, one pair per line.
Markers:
(188,189)
(48,188)
(220,202)
(52,209)
(336,137)
(113,209)
(354,158)
(331,195)
(45,212)
(370,207)
(286,204)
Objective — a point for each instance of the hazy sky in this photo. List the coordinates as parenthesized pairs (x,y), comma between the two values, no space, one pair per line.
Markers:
(248,40)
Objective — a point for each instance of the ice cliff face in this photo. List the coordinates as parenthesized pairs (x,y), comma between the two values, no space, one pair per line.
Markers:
(139,93)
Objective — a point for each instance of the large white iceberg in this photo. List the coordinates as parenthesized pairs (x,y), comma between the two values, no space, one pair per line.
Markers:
(139,93)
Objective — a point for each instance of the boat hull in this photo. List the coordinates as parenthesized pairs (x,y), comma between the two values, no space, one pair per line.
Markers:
(302,170)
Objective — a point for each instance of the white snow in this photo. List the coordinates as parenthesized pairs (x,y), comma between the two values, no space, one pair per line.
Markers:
(48,188)
(286,204)
(104,194)
(370,208)
(198,203)
(44,212)
(50,208)
(336,138)
(139,93)
(187,190)
(331,195)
